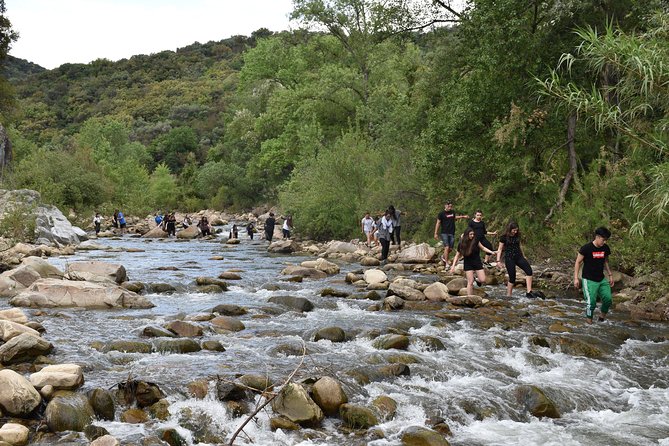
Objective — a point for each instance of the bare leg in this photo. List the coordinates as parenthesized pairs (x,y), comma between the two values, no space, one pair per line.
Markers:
(509,288)
(470,282)
(528,282)
(447,252)
(481,275)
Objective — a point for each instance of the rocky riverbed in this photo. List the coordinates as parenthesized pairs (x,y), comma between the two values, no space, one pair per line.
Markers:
(144,341)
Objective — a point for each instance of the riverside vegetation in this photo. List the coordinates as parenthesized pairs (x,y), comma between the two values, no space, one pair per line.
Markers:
(551,113)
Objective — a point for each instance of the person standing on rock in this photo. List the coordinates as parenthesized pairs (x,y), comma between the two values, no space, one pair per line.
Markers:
(115,219)
(594,257)
(470,249)
(121,220)
(204,227)
(97,222)
(478,225)
(287,227)
(269,227)
(446,220)
(397,226)
(171,224)
(509,244)
(367,225)
(384,234)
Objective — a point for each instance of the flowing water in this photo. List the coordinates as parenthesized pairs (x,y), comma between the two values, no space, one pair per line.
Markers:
(621,398)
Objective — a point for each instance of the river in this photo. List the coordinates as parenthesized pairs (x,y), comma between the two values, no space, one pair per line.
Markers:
(621,398)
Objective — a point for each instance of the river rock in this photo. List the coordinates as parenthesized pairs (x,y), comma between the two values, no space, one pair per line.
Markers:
(127,346)
(60,376)
(102,402)
(338,247)
(229,275)
(160,410)
(322,265)
(422,436)
(392,303)
(260,383)
(229,310)
(455,285)
(96,271)
(154,331)
(422,253)
(14,315)
(373,276)
(66,293)
(466,301)
(17,396)
(391,341)
(190,233)
(134,416)
(156,232)
(68,411)
(212,345)
(91,245)
(283,246)
(160,287)
(147,394)
(23,348)
(576,347)
(476,292)
(296,303)
(300,271)
(332,334)
(9,330)
(283,424)
(294,403)
(357,417)
(436,292)
(536,402)
(14,434)
(406,292)
(105,440)
(184,329)
(182,345)
(53,229)
(16,280)
(229,391)
(329,395)
(227,323)
(385,406)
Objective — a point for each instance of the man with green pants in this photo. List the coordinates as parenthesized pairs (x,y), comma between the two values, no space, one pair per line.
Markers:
(594,257)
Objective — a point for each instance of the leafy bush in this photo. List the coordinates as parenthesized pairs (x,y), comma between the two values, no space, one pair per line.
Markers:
(18,223)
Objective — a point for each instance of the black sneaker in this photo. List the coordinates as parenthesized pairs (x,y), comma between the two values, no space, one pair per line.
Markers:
(478,284)
(601,319)
(530,295)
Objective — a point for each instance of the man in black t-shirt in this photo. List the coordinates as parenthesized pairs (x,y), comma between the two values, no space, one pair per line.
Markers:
(269,227)
(594,257)
(446,219)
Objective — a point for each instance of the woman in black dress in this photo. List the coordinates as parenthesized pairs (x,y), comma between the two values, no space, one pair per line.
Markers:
(470,249)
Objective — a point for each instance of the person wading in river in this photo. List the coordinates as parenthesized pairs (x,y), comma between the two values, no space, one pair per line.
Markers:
(594,257)
(509,244)
(478,225)
(446,219)
(269,227)
(470,249)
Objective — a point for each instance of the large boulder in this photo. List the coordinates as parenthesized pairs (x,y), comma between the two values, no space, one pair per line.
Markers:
(422,436)
(283,246)
(156,232)
(392,341)
(322,265)
(16,280)
(190,233)
(227,323)
(422,253)
(296,303)
(68,411)
(17,396)
(67,293)
(59,376)
(52,228)
(373,276)
(406,293)
(329,395)
(9,330)
(185,329)
(14,434)
(95,271)
(454,286)
(295,270)
(357,417)
(22,348)
(340,247)
(436,292)
(332,334)
(102,402)
(14,315)
(294,403)
(535,401)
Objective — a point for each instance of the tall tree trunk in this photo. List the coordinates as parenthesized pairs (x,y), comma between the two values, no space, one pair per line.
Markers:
(573,164)
(5,152)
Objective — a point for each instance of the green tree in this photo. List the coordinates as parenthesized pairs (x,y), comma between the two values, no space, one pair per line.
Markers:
(162,188)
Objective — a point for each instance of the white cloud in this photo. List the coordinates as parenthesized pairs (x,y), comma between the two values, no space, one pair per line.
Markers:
(79,31)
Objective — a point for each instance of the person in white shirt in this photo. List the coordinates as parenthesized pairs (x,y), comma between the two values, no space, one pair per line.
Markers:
(287,227)
(367,225)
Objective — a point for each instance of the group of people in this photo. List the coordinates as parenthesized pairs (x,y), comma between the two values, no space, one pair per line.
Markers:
(384,230)
(270,224)
(592,258)
(118,221)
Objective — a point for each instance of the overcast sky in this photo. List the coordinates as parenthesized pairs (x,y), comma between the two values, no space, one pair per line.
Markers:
(54,32)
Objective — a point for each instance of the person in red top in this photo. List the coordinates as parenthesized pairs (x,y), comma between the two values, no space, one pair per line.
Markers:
(594,257)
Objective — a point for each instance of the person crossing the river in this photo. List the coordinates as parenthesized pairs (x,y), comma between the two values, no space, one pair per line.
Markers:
(446,220)
(594,257)
(509,244)
(470,249)
(269,227)
(478,225)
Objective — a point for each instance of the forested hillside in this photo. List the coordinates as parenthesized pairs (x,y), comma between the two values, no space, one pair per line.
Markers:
(547,112)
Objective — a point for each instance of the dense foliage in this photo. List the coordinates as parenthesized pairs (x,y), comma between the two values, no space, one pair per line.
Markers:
(547,112)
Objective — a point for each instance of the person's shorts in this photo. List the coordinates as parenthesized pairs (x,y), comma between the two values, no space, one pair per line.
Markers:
(448,240)
(123,225)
